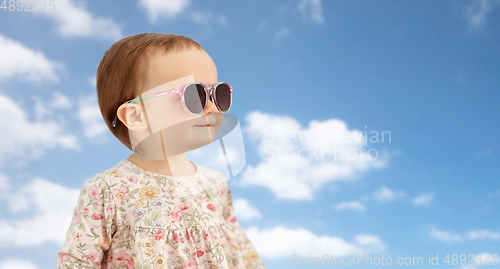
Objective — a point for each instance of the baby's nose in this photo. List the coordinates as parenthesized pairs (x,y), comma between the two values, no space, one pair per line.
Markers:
(211,108)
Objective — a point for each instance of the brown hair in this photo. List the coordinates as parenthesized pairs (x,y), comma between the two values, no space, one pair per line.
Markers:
(117,78)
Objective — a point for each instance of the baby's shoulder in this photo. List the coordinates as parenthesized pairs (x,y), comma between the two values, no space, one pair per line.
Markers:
(213,176)
(104,179)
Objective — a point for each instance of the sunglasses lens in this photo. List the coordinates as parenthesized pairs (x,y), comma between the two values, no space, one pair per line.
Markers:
(223,97)
(195,98)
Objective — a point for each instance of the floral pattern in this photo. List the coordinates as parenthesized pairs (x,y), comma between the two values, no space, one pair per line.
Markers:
(128,217)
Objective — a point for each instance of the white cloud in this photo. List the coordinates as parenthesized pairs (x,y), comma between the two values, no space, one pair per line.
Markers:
(445,236)
(4,183)
(41,111)
(16,264)
(354,205)
(53,207)
(312,9)
(281,242)
(297,161)
(162,8)
(483,234)
(23,138)
(450,237)
(60,100)
(204,17)
(44,109)
(423,199)
(92,81)
(244,210)
(75,21)
(21,62)
(90,117)
(171,9)
(385,194)
(479,260)
(476,13)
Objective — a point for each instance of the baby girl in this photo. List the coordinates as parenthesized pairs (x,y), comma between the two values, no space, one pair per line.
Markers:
(155,209)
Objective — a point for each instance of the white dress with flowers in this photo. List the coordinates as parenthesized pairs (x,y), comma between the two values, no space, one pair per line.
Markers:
(127,217)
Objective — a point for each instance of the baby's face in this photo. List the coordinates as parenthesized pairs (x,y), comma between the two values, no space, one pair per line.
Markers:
(180,129)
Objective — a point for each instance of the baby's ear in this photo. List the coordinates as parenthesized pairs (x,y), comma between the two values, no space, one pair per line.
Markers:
(133,117)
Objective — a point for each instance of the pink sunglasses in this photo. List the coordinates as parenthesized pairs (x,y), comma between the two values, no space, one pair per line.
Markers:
(195,96)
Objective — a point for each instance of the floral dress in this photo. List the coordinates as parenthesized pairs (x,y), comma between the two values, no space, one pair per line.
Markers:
(127,217)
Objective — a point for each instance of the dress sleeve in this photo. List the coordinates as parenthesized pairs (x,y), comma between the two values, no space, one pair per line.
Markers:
(89,235)
(248,250)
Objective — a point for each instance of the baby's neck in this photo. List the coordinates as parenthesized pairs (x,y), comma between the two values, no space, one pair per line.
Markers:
(173,166)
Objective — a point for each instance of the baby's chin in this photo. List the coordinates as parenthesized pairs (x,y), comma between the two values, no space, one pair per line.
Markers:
(189,135)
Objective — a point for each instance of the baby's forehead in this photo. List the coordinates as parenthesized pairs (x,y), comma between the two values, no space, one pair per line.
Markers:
(160,68)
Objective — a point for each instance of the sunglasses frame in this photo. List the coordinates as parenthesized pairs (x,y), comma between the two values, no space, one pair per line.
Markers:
(210,91)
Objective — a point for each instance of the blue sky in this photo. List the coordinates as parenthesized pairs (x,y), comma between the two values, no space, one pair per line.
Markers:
(424,71)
